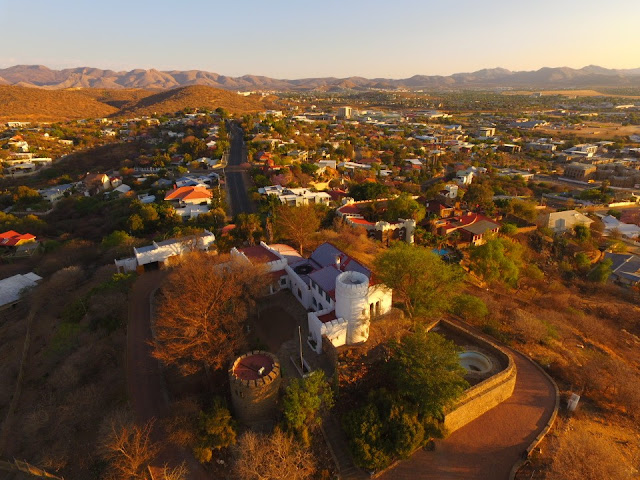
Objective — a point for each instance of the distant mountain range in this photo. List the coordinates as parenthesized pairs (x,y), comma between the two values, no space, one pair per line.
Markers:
(86,77)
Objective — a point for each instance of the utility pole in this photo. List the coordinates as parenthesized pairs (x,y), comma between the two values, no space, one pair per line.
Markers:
(301,359)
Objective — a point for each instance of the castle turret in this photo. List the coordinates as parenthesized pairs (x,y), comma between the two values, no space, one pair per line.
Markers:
(410,230)
(254,379)
(352,289)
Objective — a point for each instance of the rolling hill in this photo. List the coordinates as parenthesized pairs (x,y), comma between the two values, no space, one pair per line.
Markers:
(22,103)
(545,78)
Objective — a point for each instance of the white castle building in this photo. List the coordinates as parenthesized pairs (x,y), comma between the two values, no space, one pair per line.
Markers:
(338,292)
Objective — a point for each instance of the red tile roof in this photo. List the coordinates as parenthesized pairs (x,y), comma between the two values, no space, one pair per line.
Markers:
(188,193)
(328,317)
(259,254)
(12,238)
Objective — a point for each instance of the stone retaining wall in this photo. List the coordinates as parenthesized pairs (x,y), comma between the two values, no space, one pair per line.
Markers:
(485,395)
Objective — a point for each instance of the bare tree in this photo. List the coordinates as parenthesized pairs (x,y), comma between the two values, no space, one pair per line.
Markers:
(298,223)
(128,448)
(273,457)
(204,307)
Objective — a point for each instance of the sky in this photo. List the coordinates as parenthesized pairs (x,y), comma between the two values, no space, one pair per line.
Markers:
(303,38)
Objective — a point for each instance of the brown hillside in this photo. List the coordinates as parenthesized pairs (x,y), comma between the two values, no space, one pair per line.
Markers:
(35,104)
(45,105)
(198,96)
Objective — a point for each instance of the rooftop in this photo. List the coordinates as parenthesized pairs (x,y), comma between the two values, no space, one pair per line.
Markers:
(259,254)
(254,367)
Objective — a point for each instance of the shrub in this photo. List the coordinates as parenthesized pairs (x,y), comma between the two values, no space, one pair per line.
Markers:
(469,307)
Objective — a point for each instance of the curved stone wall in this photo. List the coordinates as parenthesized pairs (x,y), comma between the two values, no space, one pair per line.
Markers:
(485,395)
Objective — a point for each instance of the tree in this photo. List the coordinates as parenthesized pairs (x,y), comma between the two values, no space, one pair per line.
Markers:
(368,191)
(424,283)
(427,372)
(469,307)
(298,223)
(404,206)
(203,310)
(271,457)
(303,402)
(117,239)
(479,195)
(601,272)
(248,225)
(525,210)
(216,430)
(498,259)
(582,233)
(128,448)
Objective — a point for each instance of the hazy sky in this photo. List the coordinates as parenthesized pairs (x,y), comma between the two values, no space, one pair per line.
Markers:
(303,38)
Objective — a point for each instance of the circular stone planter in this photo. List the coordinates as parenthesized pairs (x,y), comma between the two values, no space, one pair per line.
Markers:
(475,362)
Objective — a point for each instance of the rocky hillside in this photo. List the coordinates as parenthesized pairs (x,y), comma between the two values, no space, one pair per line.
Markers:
(544,78)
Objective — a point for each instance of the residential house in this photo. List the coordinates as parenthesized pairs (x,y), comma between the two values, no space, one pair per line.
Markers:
(296,197)
(189,195)
(566,220)
(625,268)
(95,183)
(17,244)
(339,293)
(160,254)
(11,289)
(53,194)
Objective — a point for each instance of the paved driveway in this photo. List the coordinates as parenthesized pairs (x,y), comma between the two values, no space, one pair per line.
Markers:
(145,382)
(488,447)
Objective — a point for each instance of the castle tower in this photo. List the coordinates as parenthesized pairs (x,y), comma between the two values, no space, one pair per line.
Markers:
(410,230)
(255,379)
(352,289)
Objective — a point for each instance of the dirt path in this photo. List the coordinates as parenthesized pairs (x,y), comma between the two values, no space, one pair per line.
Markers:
(488,447)
(145,382)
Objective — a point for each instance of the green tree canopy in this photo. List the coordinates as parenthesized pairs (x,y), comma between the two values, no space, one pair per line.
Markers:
(368,191)
(404,206)
(601,272)
(427,371)
(499,259)
(424,283)
(303,402)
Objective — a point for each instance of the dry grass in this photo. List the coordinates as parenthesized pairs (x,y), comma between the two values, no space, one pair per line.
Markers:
(40,105)
(568,93)
(596,130)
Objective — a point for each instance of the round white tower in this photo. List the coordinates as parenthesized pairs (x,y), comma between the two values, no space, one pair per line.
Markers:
(352,289)
(410,230)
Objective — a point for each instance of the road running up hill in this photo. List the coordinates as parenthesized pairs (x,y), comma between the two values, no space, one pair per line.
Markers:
(236,174)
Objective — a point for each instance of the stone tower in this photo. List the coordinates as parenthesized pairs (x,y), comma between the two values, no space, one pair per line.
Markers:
(352,290)
(255,379)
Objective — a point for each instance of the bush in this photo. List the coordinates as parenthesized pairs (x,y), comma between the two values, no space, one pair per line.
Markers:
(216,430)
(469,307)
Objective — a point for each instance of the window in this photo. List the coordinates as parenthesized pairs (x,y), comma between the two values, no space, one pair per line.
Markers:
(328,297)
(299,294)
(283,281)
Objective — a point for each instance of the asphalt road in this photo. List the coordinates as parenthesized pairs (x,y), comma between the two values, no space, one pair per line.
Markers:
(236,174)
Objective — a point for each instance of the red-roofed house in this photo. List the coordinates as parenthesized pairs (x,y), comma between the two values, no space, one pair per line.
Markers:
(12,242)
(189,195)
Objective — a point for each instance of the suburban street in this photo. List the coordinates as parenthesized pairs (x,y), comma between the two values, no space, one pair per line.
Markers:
(236,174)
